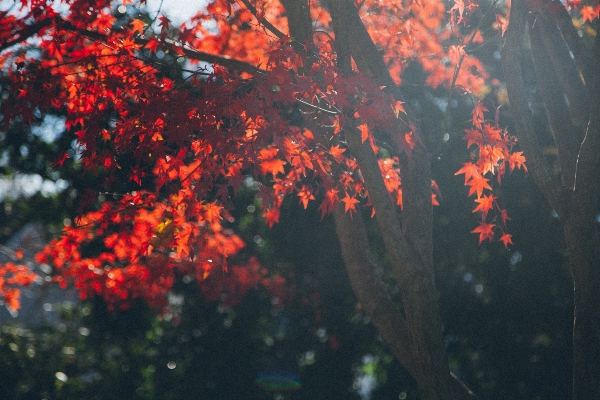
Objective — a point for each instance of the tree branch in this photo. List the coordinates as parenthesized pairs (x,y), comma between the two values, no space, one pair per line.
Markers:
(298,47)
(365,53)
(299,21)
(211,58)
(25,34)
(171,45)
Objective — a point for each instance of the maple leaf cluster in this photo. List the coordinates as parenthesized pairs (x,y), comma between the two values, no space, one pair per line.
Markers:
(12,277)
(175,150)
(492,156)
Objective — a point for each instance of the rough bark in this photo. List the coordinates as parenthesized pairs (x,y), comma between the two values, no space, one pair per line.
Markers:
(370,292)
(368,287)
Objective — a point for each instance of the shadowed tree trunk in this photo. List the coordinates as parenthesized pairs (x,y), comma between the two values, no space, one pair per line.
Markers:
(574,194)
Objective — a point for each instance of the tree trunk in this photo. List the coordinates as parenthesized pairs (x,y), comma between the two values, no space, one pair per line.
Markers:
(373,299)
(557,53)
(581,232)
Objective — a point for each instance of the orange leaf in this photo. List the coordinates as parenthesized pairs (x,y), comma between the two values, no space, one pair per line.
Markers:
(485,230)
(308,134)
(272,166)
(138,25)
(472,137)
(589,13)
(349,203)
(478,115)
(516,160)
(492,133)
(506,239)
(470,170)
(268,163)
(11,297)
(364,130)
(337,127)
(486,203)
(478,184)
(152,44)
(504,217)
(305,195)
(408,137)
(336,151)
(271,216)
(213,212)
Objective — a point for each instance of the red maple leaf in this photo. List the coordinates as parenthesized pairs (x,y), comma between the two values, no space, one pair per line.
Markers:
(473,136)
(485,204)
(164,22)
(478,184)
(517,160)
(271,216)
(506,239)
(349,203)
(364,132)
(273,167)
(470,170)
(337,152)
(504,217)
(305,195)
(138,25)
(478,117)
(152,44)
(485,230)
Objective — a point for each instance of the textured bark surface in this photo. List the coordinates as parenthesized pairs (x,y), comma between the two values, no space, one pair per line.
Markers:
(374,301)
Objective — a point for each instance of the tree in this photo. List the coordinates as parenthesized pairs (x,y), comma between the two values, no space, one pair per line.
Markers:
(303,99)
